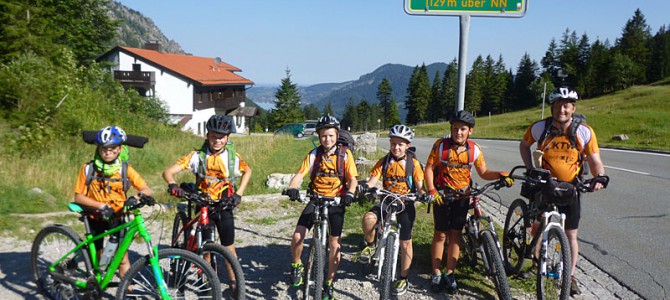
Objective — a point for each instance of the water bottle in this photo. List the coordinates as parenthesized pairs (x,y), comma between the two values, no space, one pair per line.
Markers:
(109,250)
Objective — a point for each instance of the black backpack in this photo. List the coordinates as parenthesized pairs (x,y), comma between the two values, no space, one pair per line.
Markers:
(577,119)
(344,141)
(409,168)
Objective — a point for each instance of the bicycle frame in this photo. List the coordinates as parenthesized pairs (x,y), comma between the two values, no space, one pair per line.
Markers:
(548,222)
(103,278)
(385,228)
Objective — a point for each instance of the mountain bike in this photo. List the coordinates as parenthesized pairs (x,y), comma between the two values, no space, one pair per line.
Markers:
(387,240)
(65,267)
(187,233)
(478,238)
(318,246)
(539,220)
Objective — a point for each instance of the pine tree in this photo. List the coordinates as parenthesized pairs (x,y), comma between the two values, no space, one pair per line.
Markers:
(287,103)
(385,96)
(311,112)
(450,89)
(363,110)
(659,66)
(526,74)
(328,109)
(634,43)
(436,103)
(350,116)
(475,85)
(393,115)
(418,95)
(550,62)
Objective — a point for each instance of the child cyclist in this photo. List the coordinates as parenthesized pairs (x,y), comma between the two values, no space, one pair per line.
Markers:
(216,166)
(325,182)
(392,170)
(102,186)
(448,169)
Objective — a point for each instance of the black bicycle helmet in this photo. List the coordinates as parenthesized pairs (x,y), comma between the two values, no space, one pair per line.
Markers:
(463,116)
(563,93)
(327,121)
(221,124)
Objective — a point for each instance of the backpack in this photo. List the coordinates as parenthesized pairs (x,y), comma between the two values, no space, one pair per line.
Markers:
(445,145)
(577,119)
(344,141)
(201,173)
(409,169)
(93,174)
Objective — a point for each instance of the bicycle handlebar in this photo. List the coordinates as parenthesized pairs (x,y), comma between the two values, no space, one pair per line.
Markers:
(387,193)
(541,176)
(310,197)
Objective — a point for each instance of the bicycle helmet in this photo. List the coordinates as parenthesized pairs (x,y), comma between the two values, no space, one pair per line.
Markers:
(463,116)
(111,136)
(402,132)
(563,93)
(221,124)
(327,121)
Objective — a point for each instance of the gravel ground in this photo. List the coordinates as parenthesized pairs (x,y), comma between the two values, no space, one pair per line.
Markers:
(265,257)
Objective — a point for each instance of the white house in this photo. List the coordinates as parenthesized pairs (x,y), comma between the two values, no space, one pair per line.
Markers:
(193,87)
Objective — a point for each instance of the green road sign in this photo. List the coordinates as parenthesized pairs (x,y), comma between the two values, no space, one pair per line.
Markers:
(480,8)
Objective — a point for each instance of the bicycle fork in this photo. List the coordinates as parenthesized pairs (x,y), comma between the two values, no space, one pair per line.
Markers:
(390,228)
(546,219)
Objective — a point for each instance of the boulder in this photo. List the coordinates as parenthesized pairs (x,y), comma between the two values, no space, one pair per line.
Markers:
(620,137)
(278,180)
(366,143)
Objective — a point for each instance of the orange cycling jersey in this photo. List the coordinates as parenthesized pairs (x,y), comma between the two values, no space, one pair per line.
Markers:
(394,179)
(328,186)
(454,178)
(216,181)
(559,156)
(111,191)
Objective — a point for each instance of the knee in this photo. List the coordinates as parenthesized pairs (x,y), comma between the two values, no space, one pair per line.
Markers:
(439,236)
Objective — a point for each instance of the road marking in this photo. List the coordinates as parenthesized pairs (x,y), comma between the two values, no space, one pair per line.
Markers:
(636,152)
(627,170)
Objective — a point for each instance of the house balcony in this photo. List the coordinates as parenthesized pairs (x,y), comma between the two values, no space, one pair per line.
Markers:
(136,78)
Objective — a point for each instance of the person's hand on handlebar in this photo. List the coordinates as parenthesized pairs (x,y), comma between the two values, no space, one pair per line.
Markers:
(505,179)
(425,198)
(599,182)
(235,200)
(434,196)
(363,188)
(175,190)
(106,212)
(348,199)
(293,194)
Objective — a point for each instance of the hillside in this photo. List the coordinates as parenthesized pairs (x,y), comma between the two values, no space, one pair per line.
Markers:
(135,29)
(365,87)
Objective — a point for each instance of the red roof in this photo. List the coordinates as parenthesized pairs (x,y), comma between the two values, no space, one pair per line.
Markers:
(197,68)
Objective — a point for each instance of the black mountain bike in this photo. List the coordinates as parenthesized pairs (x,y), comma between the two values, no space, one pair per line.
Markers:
(318,246)
(187,233)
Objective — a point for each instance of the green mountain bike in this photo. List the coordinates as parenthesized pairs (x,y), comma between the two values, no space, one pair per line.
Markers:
(67,267)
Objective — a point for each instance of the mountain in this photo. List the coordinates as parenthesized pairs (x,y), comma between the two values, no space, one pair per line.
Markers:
(135,30)
(338,94)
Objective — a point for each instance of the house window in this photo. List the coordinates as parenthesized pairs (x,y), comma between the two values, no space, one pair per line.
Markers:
(137,67)
(199,129)
(198,97)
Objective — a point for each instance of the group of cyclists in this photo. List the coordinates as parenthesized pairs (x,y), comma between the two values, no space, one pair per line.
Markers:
(332,173)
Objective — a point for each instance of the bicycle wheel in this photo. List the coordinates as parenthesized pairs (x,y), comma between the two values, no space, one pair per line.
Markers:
(468,248)
(314,269)
(387,268)
(221,259)
(555,284)
(186,275)
(49,246)
(180,240)
(496,269)
(515,237)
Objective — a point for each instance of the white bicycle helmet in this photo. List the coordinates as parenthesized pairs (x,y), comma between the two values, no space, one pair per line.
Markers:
(111,136)
(563,93)
(402,132)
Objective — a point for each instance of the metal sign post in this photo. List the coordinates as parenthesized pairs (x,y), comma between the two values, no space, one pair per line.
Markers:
(466,9)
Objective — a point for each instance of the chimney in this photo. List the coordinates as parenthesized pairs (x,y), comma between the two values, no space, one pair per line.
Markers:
(153,45)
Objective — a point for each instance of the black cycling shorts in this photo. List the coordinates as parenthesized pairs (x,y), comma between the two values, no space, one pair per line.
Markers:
(451,216)
(335,218)
(405,219)
(100,226)
(573,213)
(225,225)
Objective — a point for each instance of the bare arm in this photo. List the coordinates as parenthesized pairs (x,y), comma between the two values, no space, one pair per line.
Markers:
(597,167)
(487,174)
(295,181)
(428,176)
(352,184)
(246,176)
(169,173)
(372,182)
(524,150)
(82,200)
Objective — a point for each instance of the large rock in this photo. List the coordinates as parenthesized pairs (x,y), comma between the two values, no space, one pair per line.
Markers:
(366,143)
(278,180)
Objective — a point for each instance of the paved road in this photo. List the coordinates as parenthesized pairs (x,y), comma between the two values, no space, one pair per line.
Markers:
(625,229)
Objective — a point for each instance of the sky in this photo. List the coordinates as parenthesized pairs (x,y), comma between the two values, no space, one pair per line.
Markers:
(337,41)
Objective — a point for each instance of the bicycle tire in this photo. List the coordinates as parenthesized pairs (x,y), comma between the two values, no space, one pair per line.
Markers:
(180,220)
(186,275)
(314,270)
(468,248)
(220,257)
(496,268)
(556,283)
(387,268)
(515,237)
(50,244)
